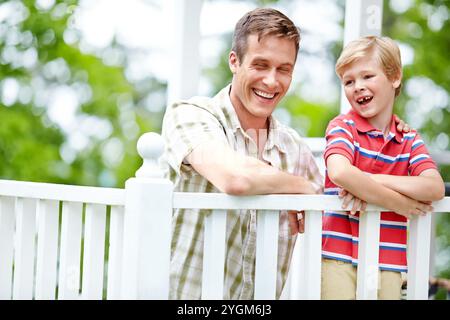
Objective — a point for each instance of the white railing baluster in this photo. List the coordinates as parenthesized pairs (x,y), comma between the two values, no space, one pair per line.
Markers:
(266,255)
(418,257)
(70,251)
(94,251)
(368,248)
(214,255)
(115,252)
(47,249)
(311,278)
(7,223)
(25,246)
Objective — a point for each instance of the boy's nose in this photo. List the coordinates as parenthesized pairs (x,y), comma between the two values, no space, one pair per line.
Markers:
(359,86)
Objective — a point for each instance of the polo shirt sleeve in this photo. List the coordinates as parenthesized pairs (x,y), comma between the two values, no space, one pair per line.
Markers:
(186,126)
(339,140)
(420,158)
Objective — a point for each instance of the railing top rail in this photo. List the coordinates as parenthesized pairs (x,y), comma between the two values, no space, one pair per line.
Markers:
(192,200)
(186,200)
(62,192)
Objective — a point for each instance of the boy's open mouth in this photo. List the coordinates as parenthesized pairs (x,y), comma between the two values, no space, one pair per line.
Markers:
(364,100)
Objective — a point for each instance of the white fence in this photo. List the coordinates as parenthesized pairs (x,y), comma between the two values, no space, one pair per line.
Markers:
(73,242)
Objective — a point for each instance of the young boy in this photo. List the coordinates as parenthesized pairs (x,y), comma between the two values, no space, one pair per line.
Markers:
(370,159)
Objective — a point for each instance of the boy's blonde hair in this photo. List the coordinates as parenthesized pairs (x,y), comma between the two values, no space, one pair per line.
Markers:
(384,49)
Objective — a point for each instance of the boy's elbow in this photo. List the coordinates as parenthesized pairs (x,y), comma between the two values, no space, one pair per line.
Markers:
(337,176)
(439,193)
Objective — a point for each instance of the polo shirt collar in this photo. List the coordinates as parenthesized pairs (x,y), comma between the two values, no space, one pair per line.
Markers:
(363,125)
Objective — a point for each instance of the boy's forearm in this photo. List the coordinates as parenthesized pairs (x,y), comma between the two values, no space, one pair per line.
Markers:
(365,188)
(420,188)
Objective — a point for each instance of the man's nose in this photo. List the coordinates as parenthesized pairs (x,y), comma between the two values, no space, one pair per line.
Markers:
(270,79)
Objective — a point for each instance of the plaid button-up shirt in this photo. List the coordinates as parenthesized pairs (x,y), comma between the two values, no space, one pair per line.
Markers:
(186,125)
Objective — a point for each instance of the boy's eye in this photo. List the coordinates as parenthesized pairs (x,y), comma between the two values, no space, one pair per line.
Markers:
(368,76)
(348,82)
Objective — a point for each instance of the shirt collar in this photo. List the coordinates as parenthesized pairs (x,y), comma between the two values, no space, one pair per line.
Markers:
(363,125)
(274,136)
(228,109)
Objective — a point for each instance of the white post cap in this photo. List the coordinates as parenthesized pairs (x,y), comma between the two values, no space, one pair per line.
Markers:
(150,147)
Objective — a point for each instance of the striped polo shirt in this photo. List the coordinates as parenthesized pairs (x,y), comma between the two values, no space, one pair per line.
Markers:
(366,148)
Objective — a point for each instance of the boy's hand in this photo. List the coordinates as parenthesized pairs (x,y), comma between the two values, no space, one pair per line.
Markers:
(358,204)
(296,222)
(411,207)
(401,125)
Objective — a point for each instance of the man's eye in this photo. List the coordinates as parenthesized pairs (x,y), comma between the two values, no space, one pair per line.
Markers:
(285,70)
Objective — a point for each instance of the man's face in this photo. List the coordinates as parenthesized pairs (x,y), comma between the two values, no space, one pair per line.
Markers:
(262,78)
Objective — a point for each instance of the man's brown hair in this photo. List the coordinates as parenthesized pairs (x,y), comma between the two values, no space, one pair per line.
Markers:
(263,22)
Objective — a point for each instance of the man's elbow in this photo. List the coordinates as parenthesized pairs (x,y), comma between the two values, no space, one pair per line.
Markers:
(237,186)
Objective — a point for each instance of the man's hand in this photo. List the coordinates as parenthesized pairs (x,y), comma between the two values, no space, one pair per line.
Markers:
(401,125)
(296,222)
(358,204)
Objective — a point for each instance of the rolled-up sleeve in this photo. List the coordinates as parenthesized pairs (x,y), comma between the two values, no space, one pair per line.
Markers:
(186,126)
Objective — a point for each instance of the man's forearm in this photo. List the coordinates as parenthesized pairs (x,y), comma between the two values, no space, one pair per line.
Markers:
(238,174)
(256,177)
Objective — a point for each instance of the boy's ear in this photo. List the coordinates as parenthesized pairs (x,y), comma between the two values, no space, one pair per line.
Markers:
(397,81)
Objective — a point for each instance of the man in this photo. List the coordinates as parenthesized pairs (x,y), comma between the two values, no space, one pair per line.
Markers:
(231,143)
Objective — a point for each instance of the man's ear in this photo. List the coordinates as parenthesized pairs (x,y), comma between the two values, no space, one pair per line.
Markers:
(233,62)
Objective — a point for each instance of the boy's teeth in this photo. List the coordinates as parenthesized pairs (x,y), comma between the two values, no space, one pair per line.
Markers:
(264,94)
(363,99)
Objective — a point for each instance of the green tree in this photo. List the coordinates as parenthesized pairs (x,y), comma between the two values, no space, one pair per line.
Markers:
(39,55)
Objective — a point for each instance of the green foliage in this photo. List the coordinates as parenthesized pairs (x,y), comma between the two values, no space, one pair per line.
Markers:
(31,144)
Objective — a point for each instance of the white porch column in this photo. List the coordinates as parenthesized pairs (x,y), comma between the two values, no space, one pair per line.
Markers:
(362,18)
(185,53)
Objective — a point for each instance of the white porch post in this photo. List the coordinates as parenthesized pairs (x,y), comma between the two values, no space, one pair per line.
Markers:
(185,73)
(147,229)
(362,18)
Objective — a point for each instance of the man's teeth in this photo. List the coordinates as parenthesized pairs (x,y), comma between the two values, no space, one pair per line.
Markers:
(265,94)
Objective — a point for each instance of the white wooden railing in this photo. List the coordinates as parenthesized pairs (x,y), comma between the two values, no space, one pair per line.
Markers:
(75,242)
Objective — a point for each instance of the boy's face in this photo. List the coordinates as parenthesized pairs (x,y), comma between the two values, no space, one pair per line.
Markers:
(369,91)
(262,78)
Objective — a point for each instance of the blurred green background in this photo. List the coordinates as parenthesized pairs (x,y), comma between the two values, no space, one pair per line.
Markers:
(47,78)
